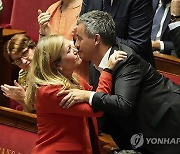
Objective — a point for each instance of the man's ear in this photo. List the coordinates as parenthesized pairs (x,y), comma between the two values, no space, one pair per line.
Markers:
(97,39)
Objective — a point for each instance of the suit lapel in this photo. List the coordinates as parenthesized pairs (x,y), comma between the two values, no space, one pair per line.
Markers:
(115,6)
(166,22)
(112,50)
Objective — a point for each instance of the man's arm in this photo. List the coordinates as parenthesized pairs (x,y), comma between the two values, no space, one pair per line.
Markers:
(127,77)
(126,86)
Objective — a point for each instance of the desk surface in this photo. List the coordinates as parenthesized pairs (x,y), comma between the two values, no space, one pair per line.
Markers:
(7,32)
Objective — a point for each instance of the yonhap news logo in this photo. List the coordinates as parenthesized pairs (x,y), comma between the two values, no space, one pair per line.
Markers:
(137,140)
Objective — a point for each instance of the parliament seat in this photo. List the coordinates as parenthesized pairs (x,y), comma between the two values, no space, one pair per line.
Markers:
(18,131)
(5,15)
(22,15)
(169,66)
(26,17)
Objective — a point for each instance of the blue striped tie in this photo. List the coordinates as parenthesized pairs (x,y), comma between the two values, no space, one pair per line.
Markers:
(156,22)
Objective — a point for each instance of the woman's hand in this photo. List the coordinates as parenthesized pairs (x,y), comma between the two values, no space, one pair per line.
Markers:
(43,20)
(116,57)
(73,96)
(16,92)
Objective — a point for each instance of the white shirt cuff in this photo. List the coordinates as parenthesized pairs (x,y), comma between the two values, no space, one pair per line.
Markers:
(91,97)
(161,45)
(174,25)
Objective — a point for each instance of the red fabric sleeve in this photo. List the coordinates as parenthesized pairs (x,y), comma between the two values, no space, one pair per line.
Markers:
(85,85)
(105,83)
(48,102)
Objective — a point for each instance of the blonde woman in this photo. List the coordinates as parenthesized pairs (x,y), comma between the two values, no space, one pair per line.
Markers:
(61,130)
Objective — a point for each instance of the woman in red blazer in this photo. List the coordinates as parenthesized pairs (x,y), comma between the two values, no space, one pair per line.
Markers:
(60,130)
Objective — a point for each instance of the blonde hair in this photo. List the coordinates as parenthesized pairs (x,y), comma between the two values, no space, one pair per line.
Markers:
(42,71)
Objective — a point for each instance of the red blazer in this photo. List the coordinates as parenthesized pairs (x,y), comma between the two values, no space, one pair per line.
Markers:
(65,130)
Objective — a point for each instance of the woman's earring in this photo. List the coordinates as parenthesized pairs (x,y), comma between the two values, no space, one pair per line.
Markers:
(60,68)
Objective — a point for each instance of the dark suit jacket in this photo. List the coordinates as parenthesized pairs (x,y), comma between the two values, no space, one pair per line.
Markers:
(175,36)
(165,36)
(133,20)
(142,101)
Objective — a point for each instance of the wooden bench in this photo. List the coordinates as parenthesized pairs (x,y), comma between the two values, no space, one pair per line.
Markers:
(169,66)
(167,63)
(107,144)
(18,131)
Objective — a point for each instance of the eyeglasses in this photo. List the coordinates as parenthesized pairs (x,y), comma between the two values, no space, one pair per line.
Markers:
(25,54)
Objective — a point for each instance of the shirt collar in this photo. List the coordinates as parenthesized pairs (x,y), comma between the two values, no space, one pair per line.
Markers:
(103,61)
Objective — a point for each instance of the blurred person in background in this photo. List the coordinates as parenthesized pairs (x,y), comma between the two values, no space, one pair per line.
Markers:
(60,18)
(160,37)
(19,50)
(175,25)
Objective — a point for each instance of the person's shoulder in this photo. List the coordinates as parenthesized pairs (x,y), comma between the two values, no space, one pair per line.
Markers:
(132,56)
(47,90)
(124,47)
(177,28)
(53,6)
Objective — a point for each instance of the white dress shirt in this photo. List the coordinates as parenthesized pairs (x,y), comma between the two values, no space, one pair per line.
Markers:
(101,66)
(174,25)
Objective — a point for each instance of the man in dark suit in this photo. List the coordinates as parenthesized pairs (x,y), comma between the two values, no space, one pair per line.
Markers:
(175,25)
(160,37)
(133,20)
(142,100)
